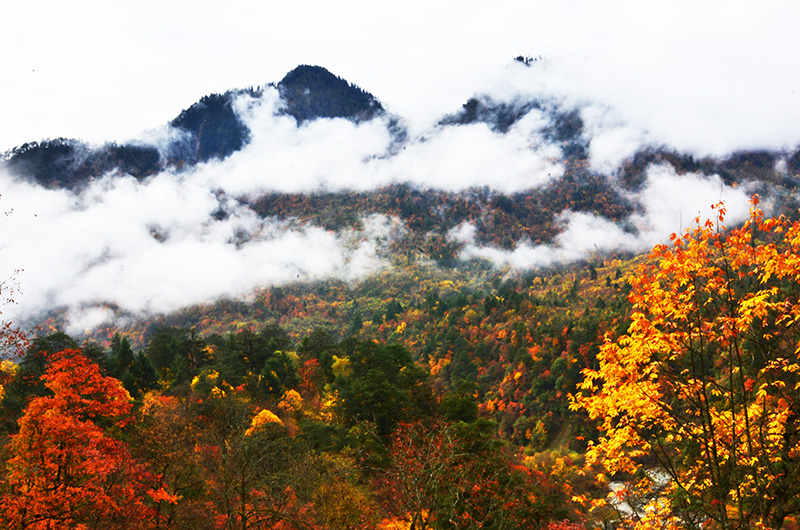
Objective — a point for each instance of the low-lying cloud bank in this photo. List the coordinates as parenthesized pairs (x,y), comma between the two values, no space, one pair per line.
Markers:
(157,246)
(184,237)
(338,154)
(672,203)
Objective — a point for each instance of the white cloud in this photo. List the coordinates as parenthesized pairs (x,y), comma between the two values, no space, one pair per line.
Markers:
(709,77)
(583,234)
(611,142)
(84,320)
(456,158)
(325,153)
(674,201)
(153,247)
(337,154)
(671,202)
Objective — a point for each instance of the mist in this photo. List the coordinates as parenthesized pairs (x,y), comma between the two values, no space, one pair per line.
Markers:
(145,248)
(121,248)
(672,204)
(338,154)
(712,76)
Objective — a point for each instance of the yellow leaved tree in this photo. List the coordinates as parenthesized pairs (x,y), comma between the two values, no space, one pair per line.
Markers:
(699,403)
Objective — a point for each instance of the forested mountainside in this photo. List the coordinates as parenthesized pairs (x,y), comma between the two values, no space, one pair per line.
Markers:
(213,129)
(350,380)
(471,360)
(207,130)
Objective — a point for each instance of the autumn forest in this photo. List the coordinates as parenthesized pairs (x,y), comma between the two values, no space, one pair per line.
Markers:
(668,400)
(444,388)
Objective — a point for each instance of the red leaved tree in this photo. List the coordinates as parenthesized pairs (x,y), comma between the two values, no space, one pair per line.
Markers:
(66,469)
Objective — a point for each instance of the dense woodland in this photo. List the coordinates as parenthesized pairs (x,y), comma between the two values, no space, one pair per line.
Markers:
(654,391)
(403,416)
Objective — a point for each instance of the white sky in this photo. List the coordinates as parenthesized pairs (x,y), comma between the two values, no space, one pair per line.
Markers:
(705,77)
(709,76)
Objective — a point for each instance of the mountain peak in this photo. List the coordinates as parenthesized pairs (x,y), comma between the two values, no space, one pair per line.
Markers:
(215,128)
(313,92)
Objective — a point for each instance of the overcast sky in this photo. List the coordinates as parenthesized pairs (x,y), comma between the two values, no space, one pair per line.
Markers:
(700,77)
(706,75)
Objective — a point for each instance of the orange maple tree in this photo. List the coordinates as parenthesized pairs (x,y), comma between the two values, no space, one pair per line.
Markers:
(66,468)
(699,403)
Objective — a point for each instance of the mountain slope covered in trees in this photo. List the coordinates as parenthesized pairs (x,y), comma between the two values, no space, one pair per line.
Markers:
(446,388)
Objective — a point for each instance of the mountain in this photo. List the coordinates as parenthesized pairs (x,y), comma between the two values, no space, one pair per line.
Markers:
(209,129)
(214,130)
(318,158)
(293,254)
(66,163)
(500,116)
(312,92)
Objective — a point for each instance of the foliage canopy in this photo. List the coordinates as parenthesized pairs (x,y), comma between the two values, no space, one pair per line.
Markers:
(703,392)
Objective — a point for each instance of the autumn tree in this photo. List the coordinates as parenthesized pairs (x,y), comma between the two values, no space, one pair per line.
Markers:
(66,468)
(334,491)
(28,382)
(698,403)
(447,476)
(12,339)
(246,460)
(166,440)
